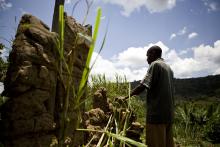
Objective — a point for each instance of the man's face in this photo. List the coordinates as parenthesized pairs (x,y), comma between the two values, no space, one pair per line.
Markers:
(150,56)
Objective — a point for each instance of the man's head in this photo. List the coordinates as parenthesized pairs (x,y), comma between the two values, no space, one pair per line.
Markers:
(153,53)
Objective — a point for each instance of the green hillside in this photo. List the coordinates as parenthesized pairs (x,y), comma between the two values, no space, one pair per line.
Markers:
(192,88)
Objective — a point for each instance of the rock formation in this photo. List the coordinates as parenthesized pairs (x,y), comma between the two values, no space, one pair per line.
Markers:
(30,117)
(100,100)
(98,118)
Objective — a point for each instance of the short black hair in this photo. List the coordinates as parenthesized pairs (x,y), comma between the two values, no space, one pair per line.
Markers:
(157,50)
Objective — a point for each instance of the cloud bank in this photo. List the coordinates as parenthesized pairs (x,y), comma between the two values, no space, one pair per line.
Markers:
(132,62)
(152,6)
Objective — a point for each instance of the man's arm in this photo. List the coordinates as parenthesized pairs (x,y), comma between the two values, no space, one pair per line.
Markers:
(137,90)
(146,82)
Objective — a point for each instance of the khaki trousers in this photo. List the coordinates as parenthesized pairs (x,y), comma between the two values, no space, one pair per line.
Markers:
(159,135)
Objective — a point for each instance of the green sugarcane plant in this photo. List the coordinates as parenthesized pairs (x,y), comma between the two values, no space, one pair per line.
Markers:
(114,134)
(91,49)
(119,137)
(67,66)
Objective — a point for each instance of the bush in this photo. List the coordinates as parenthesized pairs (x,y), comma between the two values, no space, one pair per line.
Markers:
(212,131)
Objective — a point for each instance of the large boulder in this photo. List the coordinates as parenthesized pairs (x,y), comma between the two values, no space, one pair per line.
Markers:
(30,85)
(31,116)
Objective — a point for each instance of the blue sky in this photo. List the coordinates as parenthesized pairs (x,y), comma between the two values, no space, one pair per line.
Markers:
(187,31)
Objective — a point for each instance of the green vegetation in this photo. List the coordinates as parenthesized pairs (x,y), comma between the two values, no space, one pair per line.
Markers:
(123,111)
(118,87)
(197,123)
(69,89)
(86,70)
(194,88)
(3,70)
(3,65)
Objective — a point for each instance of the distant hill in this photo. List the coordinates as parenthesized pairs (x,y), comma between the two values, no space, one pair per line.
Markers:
(191,88)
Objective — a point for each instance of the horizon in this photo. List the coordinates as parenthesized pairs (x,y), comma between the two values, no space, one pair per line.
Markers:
(2,85)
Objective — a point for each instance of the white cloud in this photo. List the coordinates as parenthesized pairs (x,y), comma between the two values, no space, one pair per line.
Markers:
(182,31)
(192,35)
(179,33)
(183,52)
(127,57)
(217,71)
(132,62)
(110,69)
(172,36)
(212,5)
(152,6)
(5,5)
(159,5)
(208,53)
(67,1)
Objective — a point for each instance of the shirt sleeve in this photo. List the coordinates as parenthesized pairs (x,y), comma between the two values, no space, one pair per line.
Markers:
(146,81)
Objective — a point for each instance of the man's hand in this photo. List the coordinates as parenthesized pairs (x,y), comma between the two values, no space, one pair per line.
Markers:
(121,98)
(121,102)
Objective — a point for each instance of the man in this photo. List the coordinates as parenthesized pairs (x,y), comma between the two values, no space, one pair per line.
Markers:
(160,104)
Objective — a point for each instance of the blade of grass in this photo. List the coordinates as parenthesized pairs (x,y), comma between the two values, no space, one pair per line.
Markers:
(128,140)
(74,6)
(128,145)
(87,10)
(61,50)
(91,49)
(87,145)
(119,137)
(128,115)
(61,30)
(100,140)
(129,95)
(88,70)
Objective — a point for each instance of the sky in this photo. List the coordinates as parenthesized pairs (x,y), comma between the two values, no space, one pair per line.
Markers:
(187,31)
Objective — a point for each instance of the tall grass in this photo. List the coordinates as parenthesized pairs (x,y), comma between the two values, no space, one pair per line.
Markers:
(66,67)
(114,133)
(63,120)
(194,122)
(115,88)
(86,70)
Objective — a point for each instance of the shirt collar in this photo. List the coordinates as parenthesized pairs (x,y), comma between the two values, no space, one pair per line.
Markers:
(158,59)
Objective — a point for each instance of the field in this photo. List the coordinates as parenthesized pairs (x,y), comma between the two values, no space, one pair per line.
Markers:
(197,122)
